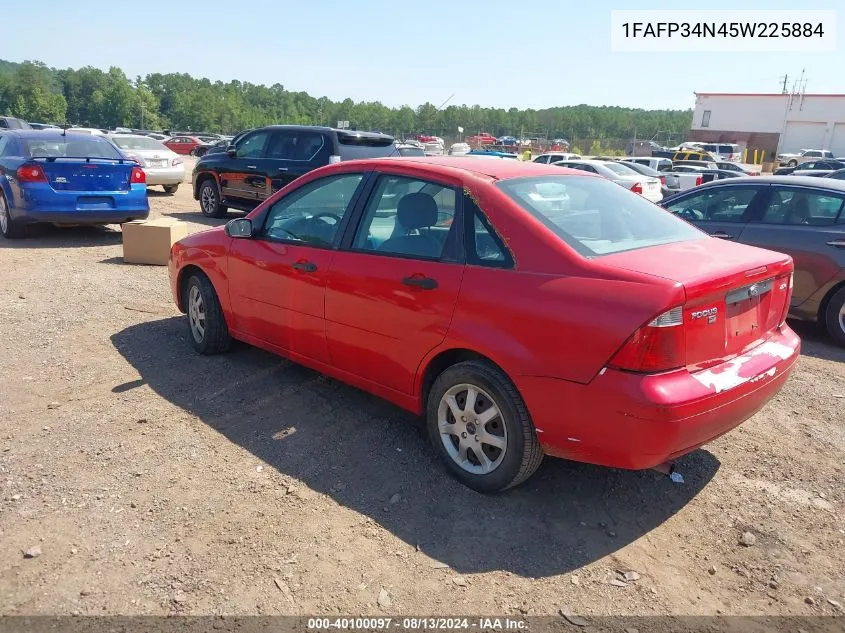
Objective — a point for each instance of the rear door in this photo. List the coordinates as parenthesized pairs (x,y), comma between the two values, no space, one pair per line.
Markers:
(721,211)
(289,155)
(241,180)
(802,223)
(393,285)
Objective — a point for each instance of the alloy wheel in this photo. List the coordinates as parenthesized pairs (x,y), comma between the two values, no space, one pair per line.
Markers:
(209,201)
(4,216)
(472,429)
(196,314)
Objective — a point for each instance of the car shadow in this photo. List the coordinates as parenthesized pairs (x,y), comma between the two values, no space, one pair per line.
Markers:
(815,341)
(49,236)
(375,459)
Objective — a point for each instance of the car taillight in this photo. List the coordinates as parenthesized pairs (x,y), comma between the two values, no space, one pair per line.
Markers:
(138,176)
(31,173)
(637,188)
(663,181)
(788,299)
(699,181)
(657,346)
(334,159)
(177,161)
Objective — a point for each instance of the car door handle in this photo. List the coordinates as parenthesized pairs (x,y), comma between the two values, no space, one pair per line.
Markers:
(722,235)
(252,166)
(418,281)
(305,266)
(837,243)
(283,168)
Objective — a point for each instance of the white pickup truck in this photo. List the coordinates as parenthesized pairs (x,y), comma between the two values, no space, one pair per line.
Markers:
(682,180)
(803,156)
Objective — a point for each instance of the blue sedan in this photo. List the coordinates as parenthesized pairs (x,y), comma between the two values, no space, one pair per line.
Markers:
(66,178)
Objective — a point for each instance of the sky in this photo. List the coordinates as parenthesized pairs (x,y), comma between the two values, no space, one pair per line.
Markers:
(495,53)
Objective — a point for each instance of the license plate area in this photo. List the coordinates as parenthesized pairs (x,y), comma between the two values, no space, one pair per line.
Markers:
(746,312)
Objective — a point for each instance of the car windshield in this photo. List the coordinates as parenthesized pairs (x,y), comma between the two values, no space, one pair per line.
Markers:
(596,216)
(138,142)
(70,146)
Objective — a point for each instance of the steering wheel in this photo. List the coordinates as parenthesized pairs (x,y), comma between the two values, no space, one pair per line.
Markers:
(691,214)
(326,214)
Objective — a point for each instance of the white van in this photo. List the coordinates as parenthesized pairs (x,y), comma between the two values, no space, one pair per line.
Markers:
(724,151)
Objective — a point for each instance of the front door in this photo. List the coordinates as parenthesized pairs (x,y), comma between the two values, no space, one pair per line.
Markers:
(391,292)
(241,180)
(721,211)
(802,223)
(277,279)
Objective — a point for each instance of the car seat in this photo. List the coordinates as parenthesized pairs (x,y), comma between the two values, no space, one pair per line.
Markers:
(415,211)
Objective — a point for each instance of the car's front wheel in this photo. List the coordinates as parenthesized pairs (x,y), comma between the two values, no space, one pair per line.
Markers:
(834,317)
(9,227)
(480,426)
(792,163)
(206,322)
(209,197)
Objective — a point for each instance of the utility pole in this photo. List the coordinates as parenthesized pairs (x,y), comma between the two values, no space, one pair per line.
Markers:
(785,78)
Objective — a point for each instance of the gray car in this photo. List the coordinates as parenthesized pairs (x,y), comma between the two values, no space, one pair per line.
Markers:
(801,216)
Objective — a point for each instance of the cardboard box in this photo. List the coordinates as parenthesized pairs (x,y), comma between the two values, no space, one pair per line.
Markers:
(149,241)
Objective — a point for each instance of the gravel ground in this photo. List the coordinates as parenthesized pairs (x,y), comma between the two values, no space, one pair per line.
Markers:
(137,477)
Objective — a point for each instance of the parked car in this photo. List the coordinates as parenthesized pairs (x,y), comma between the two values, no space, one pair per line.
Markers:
(553,157)
(653,162)
(649,188)
(796,215)
(682,178)
(12,123)
(703,164)
(459,149)
(482,138)
(645,170)
(642,148)
(818,168)
(803,156)
(738,167)
(42,126)
(729,152)
(52,177)
(492,153)
(406,149)
(609,332)
(93,131)
(161,165)
(186,145)
(157,136)
(264,160)
(839,174)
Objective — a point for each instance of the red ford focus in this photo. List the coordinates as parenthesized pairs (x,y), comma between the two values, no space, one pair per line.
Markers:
(524,309)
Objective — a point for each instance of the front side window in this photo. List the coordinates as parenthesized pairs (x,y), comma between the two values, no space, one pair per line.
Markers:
(313,213)
(596,216)
(797,207)
(726,204)
(4,140)
(252,146)
(407,217)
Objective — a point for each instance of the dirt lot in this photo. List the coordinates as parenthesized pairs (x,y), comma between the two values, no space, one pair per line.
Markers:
(156,481)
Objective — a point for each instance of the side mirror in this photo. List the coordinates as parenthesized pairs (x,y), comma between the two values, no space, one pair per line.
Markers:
(231,151)
(239,228)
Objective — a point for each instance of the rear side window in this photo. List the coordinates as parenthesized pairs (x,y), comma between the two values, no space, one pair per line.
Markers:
(796,207)
(541,159)
(353,147)
(298,146)
(725,204)
(483,245)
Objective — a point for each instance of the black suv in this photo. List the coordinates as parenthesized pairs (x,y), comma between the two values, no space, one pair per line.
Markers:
(262,161)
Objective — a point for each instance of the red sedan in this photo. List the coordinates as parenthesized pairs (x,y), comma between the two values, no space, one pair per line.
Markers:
(184,144)
(523,309)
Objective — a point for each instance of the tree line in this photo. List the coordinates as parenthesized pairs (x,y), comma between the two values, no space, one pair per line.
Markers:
(108,99)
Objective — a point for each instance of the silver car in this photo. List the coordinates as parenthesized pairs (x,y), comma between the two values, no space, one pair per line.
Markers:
(163,166)
(647,186)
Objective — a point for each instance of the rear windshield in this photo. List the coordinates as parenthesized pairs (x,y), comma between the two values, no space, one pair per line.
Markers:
(353,147)
(596,216)
(411,151)
(138,142)
(619,169)
(70,146)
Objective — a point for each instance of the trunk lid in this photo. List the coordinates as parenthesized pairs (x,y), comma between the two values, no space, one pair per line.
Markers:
(82,174)
(736,295)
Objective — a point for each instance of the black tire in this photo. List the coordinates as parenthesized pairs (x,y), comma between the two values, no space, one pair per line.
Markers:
(170,189)
(214,338)
(834,317)
(522,452)
(11,229)
(792,163)
(209,197)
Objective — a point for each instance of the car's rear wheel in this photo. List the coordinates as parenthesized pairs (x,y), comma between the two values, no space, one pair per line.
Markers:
(9,227)
(792,163)
(206,323)
(170,189)
(480,426)
(210,200)
(834,317)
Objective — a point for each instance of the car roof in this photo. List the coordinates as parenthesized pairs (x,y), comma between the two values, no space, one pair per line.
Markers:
(318,128)
(461,165)
(801,181)
(48,133)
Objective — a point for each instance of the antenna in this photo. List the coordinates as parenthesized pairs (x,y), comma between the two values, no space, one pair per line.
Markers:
(784,78)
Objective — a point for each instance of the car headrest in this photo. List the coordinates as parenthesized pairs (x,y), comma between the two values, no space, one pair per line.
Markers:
(417,211)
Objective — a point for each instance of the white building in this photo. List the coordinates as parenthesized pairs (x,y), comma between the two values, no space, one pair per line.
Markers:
(774,123)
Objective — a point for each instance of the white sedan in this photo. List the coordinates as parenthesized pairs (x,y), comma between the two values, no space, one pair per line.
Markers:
(162,166)
(621,174)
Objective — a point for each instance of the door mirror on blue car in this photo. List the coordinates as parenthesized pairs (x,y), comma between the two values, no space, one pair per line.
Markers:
(239,228)
(231,151)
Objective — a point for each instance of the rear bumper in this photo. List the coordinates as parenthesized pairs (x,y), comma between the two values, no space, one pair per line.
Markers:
(165,175)
(41,203)
(627,420)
